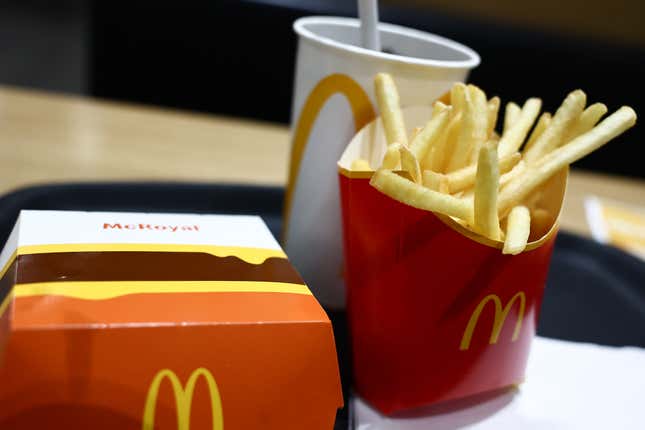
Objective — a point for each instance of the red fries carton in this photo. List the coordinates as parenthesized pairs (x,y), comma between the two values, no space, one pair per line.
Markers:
(436,311)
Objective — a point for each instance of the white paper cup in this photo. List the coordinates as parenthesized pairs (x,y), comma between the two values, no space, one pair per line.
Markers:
(333,99)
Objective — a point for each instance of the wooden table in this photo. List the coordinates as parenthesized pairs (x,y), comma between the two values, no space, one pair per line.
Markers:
(47,138)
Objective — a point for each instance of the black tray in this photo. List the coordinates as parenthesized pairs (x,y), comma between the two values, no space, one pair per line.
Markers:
(594,292)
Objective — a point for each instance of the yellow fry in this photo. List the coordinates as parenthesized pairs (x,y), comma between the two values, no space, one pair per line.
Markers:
(473,129)
(458,98)
(438,107)
(392,157)
(435,181)
(429,134)
(410,164)
(360,164)
(518,228)
(586,121)
(514,137)
(436,158)
(418,196)
(415,133)
(511,114)
(493,111)
(564,118)
(387,98)
(464,178)
(536,174)
(542,124)
(486,188)
(515,172)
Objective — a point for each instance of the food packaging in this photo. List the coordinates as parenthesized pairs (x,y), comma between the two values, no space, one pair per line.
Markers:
(151,321)
(333,98)
(436,312)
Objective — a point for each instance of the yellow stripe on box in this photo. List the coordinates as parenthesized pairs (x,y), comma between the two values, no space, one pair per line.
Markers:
(110,289)
(5,304)
(250,255)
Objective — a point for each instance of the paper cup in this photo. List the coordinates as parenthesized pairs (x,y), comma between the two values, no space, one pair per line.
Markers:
(333,99)
(436,312)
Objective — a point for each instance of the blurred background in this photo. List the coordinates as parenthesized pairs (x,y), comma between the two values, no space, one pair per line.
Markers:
(237,57)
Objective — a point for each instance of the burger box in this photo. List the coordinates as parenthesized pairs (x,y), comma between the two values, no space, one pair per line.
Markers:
(158,321)
(6,298)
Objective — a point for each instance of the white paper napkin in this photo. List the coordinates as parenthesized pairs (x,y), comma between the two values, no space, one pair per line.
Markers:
(568,386)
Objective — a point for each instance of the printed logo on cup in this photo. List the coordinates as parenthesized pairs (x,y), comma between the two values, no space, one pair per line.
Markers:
(333,94)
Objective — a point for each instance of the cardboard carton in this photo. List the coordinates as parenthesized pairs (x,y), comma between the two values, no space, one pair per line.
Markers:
(150,321)
(436,312)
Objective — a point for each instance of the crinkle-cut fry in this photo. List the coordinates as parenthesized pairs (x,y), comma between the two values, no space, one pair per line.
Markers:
(511,114)
(429,135)
(518,228)
(542,123)
(513,138)
(474,127)
(486,189)
(387,98)
(410,164)
(536,174)
(586,121)
(435,181)
(436,158)
(360,164)
(420,197)
(493,111)
(565,116)
(464,178)
(515,172)
(392,157)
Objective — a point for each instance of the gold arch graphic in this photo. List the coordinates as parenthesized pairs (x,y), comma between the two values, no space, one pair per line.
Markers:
(362,112)
(498,322)
(183,399)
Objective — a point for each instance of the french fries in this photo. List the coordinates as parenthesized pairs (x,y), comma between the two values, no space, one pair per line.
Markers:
(387,97)
(564,117)
(511,114)
(462,179)
(486,187)
(410,164)
(513,138)
(518,228)
(458,166)
(435,181)
(418,196)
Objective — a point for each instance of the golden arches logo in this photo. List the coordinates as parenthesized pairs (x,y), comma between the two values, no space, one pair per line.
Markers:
(183,398)
(500,316)
(362,112)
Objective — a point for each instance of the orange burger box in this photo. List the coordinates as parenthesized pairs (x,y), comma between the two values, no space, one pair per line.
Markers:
(436,312)
(150,321)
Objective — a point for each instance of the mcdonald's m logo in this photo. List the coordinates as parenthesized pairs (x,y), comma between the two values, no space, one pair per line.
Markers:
(183,398)
(500,317)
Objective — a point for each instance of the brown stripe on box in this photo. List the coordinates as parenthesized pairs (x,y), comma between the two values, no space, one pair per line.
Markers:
(150,266)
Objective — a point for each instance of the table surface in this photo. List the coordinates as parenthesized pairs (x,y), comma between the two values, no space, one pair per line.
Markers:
(52,138)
